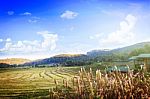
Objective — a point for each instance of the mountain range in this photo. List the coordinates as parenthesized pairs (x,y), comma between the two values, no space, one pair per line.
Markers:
(78,59)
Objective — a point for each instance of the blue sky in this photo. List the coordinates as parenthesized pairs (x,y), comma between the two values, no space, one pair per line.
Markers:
(42,28)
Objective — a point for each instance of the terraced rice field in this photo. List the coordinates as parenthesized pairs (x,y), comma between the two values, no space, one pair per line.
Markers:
(32,82)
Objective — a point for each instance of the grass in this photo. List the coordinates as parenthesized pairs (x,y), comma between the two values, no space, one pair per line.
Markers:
(113,85)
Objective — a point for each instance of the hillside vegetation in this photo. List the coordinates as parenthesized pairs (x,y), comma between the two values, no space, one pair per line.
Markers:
(119,54)
(68,55)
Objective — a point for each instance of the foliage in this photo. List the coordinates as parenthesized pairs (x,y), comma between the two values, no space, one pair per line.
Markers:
(4,65)
(144,50)
(67,60)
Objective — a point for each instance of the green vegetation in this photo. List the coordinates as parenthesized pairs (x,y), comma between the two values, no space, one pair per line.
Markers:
(144,50)
(122,54)
(65,60)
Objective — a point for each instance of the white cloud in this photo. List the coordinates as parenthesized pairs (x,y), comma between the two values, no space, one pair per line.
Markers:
(121,37)
(69,15)
(8,39)
(10,12)
(49,41)
(96,36)
(27,14)
(1,40)
(26,47)
(34,20)
(74,48)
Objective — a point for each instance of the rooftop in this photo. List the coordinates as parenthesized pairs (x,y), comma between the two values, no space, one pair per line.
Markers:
(140,56)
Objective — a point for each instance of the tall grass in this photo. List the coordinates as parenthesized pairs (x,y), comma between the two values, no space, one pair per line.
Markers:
(112,85)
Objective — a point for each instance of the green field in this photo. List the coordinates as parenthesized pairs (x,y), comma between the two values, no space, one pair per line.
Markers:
(32,82)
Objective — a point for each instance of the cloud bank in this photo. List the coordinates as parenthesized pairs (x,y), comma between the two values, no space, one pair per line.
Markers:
(28,47)
(121,37)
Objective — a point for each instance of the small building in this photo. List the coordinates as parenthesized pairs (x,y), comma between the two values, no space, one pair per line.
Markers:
(121,68)
(142,60)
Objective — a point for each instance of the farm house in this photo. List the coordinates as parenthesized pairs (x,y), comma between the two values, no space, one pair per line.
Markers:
(142,61)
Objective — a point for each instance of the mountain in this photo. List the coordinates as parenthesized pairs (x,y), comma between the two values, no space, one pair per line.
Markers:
(127,49)
(64,59)
(12,61)
(102,52)
(131,48)
(94,55)
(68,55)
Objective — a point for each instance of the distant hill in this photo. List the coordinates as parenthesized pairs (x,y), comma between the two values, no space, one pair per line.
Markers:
(12,61)
(94,55)
(83,59)
(65,59)
(130,48)
(68,55)
(127,49)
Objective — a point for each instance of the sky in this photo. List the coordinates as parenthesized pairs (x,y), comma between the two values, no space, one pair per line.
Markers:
(37,29)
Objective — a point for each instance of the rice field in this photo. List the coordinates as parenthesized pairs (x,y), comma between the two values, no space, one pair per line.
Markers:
(72,83)
(32,82)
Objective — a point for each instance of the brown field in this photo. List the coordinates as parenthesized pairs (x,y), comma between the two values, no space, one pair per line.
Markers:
(32,82)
